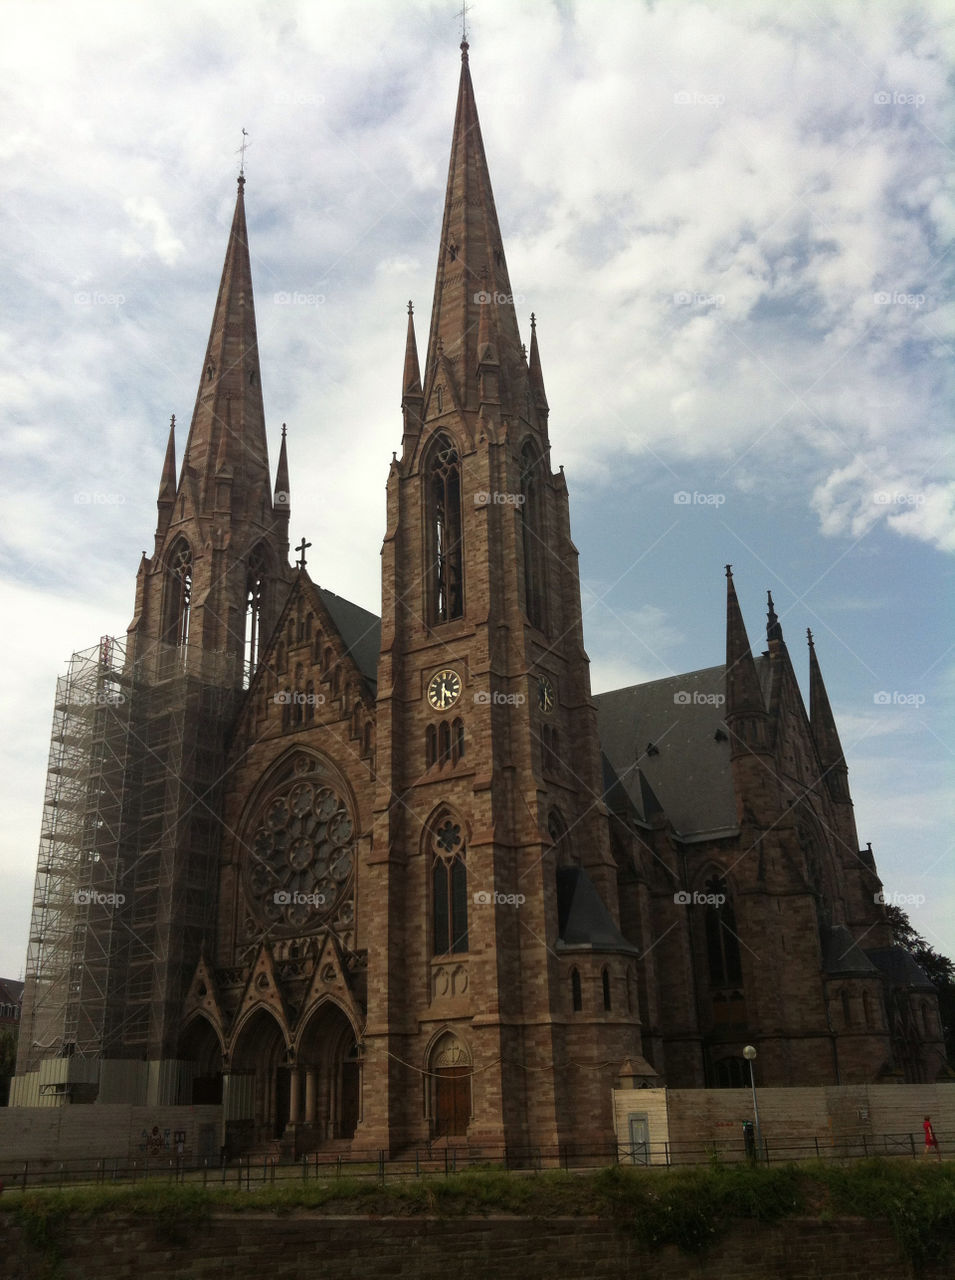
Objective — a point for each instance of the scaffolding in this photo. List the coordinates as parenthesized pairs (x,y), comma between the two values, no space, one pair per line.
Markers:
(126,881)
(78,852)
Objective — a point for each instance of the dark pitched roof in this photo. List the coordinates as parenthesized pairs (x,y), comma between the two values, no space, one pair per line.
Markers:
(584,920)
(844,955)
(11,991)
(687,770)
(360,630)
(900,967)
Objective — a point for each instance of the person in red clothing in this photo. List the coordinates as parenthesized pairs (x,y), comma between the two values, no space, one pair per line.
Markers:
(931,1142)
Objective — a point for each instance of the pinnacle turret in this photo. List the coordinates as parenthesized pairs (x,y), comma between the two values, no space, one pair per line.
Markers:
(825,734)
(281,502)
(167,485)
(745,706)
(535,372)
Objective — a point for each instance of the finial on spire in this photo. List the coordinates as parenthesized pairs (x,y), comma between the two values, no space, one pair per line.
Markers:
(172,420)
(241,153)
(533,321)
(463,15)
(809,638)
(283,430)
(729,571)
(410,307)
(773,630)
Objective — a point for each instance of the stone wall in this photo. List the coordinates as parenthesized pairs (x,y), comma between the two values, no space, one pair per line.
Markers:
(250,1245)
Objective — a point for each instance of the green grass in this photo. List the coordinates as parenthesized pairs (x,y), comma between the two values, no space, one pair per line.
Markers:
(690,1208)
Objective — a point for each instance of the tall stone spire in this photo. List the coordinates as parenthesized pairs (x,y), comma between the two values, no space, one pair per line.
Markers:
(825,734)
(230,387)
(472,272)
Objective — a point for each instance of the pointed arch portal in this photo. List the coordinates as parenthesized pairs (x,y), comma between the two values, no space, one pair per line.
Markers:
(259,1057)
(327,1077)
(200,1047)
(450,1088)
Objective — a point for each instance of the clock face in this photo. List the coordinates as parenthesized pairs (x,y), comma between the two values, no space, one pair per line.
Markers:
(444,689)
(546,698)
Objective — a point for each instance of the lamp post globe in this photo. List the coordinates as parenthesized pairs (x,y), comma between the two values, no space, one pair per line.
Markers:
(749,1053)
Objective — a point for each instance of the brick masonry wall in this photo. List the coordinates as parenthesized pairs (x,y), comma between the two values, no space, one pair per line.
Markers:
(251,1245)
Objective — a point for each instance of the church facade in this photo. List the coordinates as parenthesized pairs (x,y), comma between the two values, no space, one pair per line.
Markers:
(385,881)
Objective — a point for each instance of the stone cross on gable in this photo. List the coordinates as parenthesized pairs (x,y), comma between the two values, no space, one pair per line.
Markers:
(302,547)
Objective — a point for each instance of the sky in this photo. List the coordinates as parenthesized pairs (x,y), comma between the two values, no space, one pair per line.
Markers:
(733,224)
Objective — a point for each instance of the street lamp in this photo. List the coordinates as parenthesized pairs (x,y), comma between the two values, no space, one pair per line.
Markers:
(749,1053)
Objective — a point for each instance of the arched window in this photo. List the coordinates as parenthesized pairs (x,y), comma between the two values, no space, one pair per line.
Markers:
(605,983)
(298,707)
(557,830)
(532,535)
(722,942)
(444,551)
(430,745)
(576,995)
(367,738)
(449,889)
(310,701)
(550,750)
(179,597)
(254,601)
(731,1073)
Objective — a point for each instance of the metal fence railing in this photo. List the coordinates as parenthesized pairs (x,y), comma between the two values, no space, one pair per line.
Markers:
(249,1171)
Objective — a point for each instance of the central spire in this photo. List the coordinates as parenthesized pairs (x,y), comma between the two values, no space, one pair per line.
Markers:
(229,417)
(472,293)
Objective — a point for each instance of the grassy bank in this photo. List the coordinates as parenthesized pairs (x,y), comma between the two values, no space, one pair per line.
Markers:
(690,1208)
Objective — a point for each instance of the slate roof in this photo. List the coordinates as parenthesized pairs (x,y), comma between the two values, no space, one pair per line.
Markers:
(583,919)
(900,967)
(844,955)
(11,991)
(360,630)
(688,771)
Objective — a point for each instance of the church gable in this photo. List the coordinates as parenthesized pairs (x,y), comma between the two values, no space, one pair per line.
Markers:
(262,991)
(317,669)
(202,997)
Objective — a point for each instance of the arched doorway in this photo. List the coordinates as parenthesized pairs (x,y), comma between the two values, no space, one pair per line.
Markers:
(201,1049)
(260,1055)
(327,1077)
(450,1088)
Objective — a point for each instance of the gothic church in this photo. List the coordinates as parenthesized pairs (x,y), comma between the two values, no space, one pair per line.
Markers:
(387,881)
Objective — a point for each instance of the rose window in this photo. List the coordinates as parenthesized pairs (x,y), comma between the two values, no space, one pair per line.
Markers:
(300,871)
